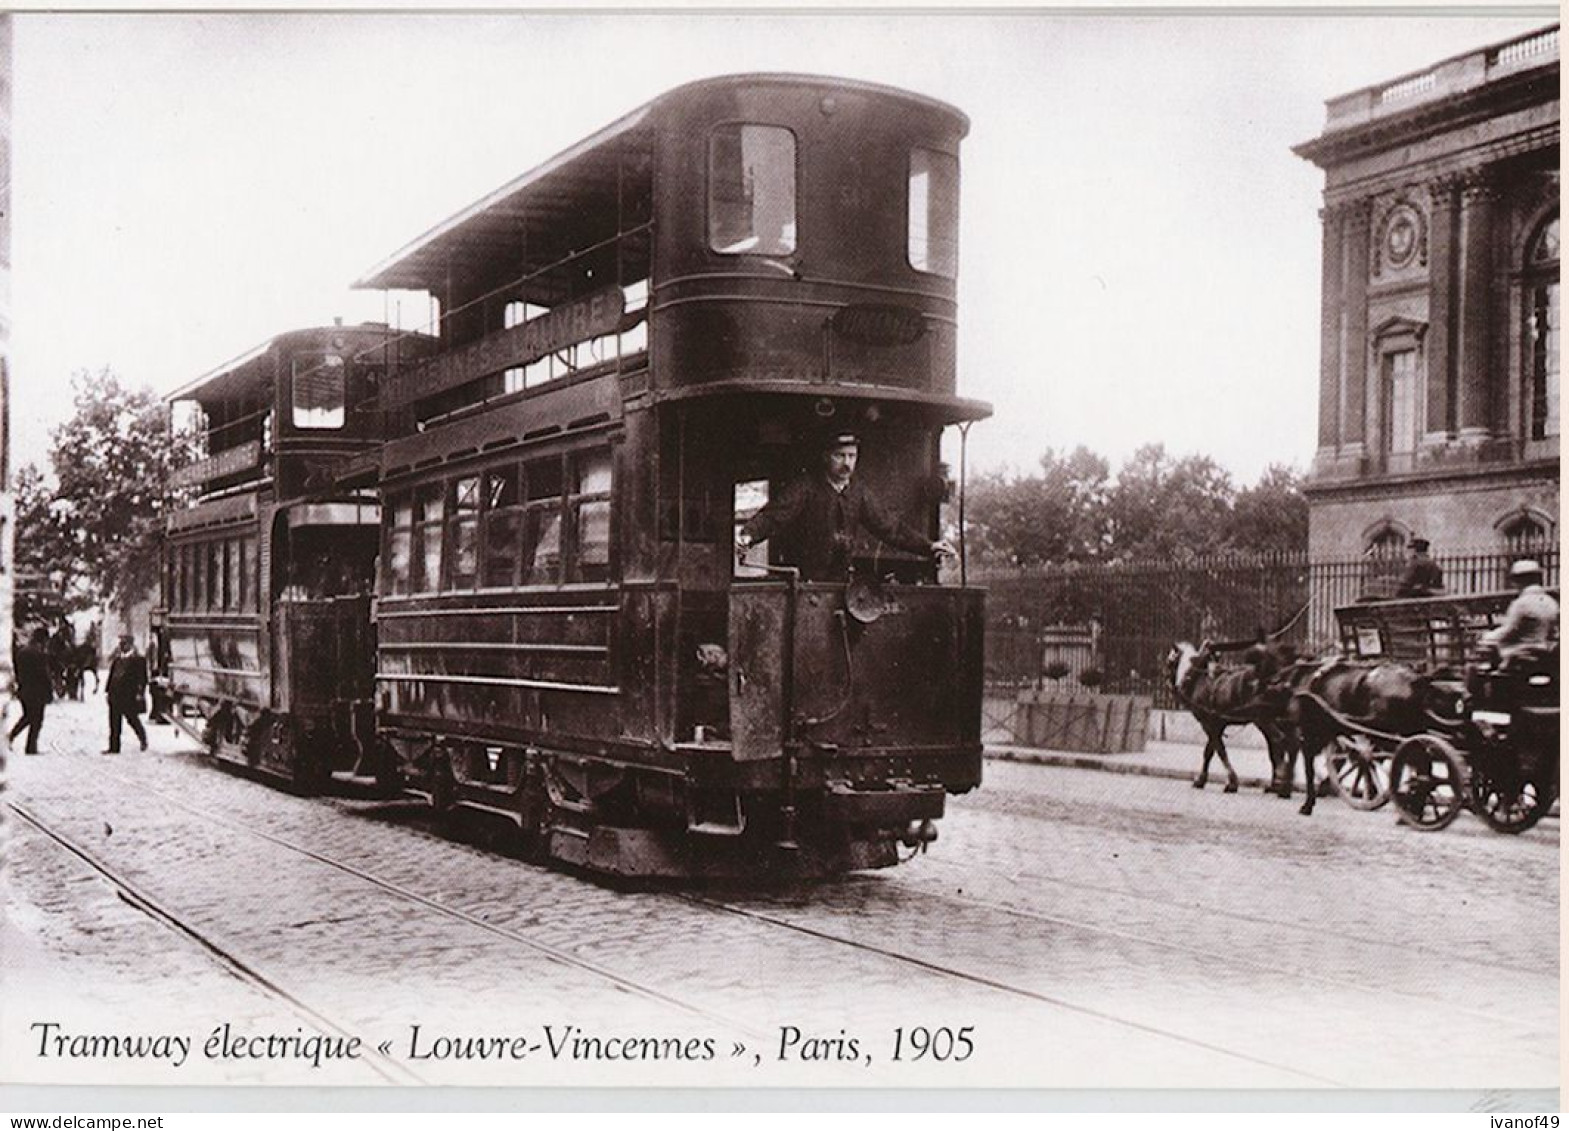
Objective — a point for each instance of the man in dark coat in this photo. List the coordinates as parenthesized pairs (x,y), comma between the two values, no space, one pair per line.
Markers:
(34,688)
(126,688)
(819,518)
(1423,576)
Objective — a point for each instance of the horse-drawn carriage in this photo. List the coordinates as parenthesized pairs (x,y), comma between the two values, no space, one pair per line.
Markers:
(1414,708)
(1490,737)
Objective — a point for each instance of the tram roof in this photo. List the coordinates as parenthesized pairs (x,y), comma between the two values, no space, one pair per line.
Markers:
(558,186)
(242,374)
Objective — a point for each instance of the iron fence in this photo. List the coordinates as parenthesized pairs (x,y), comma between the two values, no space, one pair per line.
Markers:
(1133,612)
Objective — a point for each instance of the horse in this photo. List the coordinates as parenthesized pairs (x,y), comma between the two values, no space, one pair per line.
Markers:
(1386,697)
(84,661)
(1233,697)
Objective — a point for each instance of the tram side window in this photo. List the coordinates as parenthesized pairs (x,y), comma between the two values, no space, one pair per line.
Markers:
(319,391)
(541,557)
(183,579)
(214,555)
(400,541)
(463,533)
(503,527)
(427,539)
(198,579)
(934,212)
(751,496)
(590,515)
(245,558)
(751,190)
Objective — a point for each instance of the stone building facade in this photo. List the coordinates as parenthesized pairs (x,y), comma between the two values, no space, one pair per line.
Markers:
(1439,397)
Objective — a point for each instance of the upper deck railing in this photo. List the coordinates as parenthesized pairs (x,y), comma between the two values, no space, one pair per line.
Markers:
(1443,80)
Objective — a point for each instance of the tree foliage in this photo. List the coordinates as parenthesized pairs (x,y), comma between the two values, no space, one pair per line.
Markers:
(1157,506)
(1058,515)
(95,525)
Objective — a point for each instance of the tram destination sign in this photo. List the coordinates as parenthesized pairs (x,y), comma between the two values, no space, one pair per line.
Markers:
(241,457)
(579,320)
(879,325)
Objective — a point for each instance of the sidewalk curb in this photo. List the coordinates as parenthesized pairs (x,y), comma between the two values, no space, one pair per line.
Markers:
(1108,766)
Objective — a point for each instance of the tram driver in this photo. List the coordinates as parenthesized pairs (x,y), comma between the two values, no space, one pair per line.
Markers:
(821,515)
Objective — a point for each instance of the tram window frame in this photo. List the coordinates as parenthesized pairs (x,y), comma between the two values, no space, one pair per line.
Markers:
(502,520)
(214,577)
(721,243)
(544,521)
(198,578)
(925,252)
(462,534)
(426,553)
(245,548)
(330,412)
(399,569)
(745,494)
(591,497)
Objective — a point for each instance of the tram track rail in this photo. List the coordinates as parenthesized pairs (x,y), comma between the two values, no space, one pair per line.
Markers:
(929,964)
(149,904)
(1306,973)
(711,906)
(1007,988)
(403,892)
(1404,946)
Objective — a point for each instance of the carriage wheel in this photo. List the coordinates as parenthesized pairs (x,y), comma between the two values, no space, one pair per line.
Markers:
(1509,803)
(1427,781)
(1359,771)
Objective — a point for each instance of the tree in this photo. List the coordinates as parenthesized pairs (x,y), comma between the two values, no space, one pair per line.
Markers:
(98,528)
(1056,516)
(1272,515)
(1162,507)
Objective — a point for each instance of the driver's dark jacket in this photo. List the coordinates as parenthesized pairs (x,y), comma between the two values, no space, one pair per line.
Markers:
(818,527)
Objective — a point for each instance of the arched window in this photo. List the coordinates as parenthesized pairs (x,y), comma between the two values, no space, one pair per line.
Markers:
(1541,330)
(1524,534)
(1384,560)
(1387,542)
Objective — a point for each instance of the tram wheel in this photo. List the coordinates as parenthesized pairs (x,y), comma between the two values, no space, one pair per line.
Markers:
(1359,771)
(1509,803)
(1427,782)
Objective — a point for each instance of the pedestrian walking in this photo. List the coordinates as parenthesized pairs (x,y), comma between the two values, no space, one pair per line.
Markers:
(126,687)
(34,687)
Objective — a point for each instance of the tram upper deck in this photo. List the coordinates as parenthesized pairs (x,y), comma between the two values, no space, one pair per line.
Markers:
(752,233)
(283,416)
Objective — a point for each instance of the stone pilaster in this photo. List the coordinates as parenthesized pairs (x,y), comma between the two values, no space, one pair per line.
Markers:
(1440,423)
(1357,262)
(1478,198)
(1329,336)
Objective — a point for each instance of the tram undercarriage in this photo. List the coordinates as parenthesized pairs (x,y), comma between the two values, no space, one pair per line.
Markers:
(713,818)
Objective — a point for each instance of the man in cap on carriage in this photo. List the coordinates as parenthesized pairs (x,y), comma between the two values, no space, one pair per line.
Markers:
(1531,621)
(1423,576)
(819,517)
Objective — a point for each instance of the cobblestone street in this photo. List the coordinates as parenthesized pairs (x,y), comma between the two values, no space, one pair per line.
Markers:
(1090,930)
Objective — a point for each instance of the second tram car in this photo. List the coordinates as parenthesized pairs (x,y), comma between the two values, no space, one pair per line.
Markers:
(639,341)
(265,632)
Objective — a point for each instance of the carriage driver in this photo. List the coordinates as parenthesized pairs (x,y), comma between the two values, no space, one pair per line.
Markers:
(1532,618)
(821,515)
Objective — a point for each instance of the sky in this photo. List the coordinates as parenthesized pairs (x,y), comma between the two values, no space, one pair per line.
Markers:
(1139,246)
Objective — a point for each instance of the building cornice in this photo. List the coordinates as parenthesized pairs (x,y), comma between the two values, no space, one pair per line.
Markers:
(1474,477)
(1335,146)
